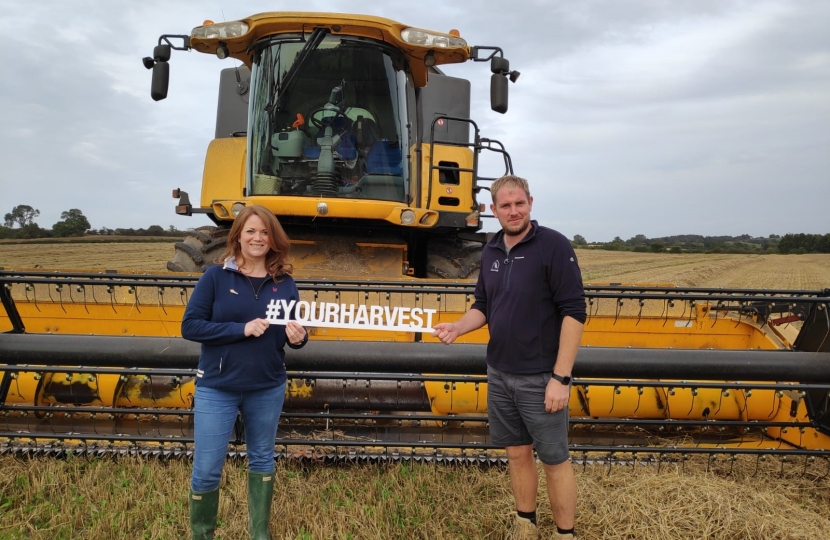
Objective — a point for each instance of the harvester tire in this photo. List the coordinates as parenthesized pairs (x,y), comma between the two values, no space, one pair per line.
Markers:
(453,258)
(199,249)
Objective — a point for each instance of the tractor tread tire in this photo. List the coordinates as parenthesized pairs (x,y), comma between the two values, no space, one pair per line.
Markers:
(453,258)
(199,249)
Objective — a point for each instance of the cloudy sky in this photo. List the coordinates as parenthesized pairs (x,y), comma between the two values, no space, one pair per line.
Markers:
(630,117)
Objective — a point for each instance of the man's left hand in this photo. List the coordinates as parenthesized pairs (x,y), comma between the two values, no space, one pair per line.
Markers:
(556,396)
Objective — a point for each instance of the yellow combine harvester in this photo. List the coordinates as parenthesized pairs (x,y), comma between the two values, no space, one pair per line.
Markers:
(346,129)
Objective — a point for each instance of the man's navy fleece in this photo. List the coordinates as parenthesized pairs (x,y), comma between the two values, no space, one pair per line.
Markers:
(223,301)
(525,294)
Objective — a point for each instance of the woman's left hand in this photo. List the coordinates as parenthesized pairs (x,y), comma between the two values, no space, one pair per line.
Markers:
(295,333)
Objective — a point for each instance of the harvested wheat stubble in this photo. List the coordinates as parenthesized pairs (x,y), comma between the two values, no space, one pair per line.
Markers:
(145,257)
(106,498)
(601,267)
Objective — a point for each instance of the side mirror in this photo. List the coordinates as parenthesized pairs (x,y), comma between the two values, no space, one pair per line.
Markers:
(500,65)
(498,83)
(161,53)
(161,80)
(161,71)
(158,63)
(498,93)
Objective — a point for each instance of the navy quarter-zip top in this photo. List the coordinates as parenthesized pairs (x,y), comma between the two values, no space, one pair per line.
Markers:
(524,294)
(223,301)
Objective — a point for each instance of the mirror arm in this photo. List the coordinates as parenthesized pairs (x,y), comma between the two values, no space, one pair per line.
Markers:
(185,41)
(474,56)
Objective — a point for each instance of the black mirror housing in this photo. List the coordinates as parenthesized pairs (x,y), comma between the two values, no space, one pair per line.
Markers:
(498,93)
(161,80)
(499,65)
(161,53)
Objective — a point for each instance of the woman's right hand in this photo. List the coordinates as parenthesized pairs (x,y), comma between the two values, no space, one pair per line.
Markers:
(256,328)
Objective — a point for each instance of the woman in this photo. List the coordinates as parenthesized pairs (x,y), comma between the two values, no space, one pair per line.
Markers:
(241,367)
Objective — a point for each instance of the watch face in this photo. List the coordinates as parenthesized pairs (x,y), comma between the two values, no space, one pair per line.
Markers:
(563,380)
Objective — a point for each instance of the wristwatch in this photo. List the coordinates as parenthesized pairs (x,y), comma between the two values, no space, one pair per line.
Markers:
(566,380)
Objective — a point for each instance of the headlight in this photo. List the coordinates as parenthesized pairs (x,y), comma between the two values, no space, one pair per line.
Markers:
(236,208)
(220,31)
(425,38)
(407,217)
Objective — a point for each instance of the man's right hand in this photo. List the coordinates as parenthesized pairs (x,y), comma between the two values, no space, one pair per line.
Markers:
(446,332)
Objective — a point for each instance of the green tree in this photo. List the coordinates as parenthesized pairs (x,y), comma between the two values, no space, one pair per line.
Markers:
(32,231)
(73,223)
(155,230)
(579,240)
(658,247)
(22,215)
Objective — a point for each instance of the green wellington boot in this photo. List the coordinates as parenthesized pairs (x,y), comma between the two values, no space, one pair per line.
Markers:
(260,493)
(203,508)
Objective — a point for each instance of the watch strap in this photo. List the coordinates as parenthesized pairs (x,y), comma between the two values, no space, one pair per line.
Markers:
(566,380)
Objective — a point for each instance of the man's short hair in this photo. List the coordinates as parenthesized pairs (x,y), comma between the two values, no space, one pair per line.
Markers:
(509,180)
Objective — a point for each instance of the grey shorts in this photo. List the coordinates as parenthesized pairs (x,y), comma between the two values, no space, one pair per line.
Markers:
(516,410)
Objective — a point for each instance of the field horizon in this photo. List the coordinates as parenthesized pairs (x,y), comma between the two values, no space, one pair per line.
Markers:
(771,271)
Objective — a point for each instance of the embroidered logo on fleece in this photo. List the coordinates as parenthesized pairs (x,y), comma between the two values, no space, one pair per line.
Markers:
(274,289)
(495,267)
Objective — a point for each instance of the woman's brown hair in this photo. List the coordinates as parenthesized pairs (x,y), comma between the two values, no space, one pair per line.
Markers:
(276,261)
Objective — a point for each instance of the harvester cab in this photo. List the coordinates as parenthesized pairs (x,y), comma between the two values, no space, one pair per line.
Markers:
(343,124)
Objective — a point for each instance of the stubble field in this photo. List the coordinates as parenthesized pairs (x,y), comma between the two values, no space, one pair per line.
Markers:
(103,498)
(689,270)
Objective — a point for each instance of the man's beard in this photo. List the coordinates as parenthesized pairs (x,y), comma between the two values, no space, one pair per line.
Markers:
(509,232)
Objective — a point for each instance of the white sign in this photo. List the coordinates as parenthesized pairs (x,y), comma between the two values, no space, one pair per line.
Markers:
(331,315)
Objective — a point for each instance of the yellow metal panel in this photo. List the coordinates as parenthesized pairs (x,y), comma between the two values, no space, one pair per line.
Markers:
(463,191)
(59,389)
(265,24)
(806,437)
(337,208)
(101,319)
(456,398)
(5,322)
(665,333)
(224,173)
(23,388)
(139,391)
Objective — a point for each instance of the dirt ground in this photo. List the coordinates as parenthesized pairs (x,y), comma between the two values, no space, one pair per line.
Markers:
(599,267)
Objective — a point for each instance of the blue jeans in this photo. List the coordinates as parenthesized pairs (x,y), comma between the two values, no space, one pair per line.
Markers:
(215,414)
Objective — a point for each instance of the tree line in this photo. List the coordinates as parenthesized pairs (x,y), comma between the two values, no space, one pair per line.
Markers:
(799,243)
(20,224)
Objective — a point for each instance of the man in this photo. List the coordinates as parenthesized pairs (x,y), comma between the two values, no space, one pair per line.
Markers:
(530,294)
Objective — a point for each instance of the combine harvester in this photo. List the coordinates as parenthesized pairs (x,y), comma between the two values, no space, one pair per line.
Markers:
(347,130)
